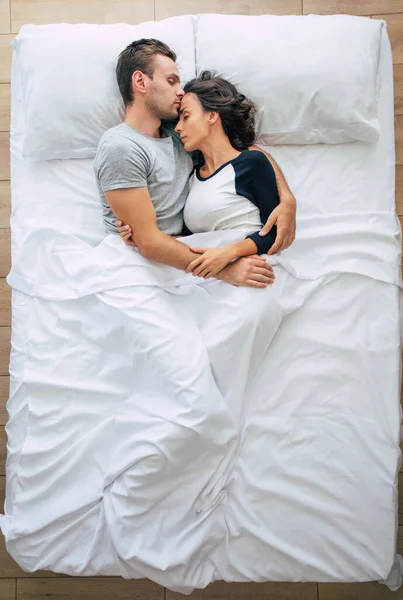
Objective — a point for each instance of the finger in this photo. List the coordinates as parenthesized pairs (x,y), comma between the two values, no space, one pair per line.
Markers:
(200,268)
(255,284)
(262,265)
(268,225)
(287,242)
(257,257)
(118,223)
(205,270)
(263,273)
(212,273)
(193,264)
(283,244)
(261,278)
(197,250)
(278,241)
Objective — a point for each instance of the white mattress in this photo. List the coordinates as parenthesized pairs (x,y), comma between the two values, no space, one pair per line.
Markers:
(312,492)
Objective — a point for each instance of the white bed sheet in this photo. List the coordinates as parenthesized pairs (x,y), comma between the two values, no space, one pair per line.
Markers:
(312,495)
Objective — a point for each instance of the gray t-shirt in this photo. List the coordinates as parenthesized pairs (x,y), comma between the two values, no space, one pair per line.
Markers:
(127,158)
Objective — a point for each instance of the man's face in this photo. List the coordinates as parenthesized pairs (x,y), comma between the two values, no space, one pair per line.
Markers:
(164,92)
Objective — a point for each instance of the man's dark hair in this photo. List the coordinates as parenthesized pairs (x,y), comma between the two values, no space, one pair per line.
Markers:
(138,56)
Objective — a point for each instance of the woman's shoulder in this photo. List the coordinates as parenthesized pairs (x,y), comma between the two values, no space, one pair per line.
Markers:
(253,160)
(254,157)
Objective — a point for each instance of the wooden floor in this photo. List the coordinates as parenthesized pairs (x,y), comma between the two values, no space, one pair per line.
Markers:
(14,583)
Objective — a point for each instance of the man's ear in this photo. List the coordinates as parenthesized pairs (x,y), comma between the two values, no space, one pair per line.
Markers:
(139,82)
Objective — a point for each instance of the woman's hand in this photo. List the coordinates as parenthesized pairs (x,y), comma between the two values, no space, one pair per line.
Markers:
(284,218)
(125,233)
(211,261)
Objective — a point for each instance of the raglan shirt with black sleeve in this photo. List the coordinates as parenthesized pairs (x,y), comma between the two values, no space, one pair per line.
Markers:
(241,194)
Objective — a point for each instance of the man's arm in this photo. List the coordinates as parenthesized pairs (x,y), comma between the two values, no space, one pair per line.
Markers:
(251,271)
(284,216)
(134,207)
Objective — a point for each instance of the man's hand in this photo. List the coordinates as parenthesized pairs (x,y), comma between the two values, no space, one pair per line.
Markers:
(250,271)
(284,215)
(284,218)
(125,233)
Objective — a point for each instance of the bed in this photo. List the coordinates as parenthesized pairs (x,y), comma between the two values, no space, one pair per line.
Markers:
(310,491)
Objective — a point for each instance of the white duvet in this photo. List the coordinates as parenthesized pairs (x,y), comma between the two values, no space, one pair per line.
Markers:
(185,430)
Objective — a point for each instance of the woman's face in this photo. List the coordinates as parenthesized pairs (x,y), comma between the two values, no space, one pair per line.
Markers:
(193,126)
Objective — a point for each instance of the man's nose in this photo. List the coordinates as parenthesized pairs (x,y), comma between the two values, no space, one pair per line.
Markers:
(180,93)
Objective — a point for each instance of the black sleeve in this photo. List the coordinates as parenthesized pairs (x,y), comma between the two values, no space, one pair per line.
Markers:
(255,179)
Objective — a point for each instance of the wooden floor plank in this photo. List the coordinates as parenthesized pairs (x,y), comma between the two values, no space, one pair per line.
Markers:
(352,7)
(5,343)
(169,8)
(4,16)
(5,252)
(5,303)
(6,51)
(398,87)
(4,393)
(5,99)
(91,588)
(8,589)
(399,139)
(5,204)
(395,33)
(84,11)
(220,590)
(4,155)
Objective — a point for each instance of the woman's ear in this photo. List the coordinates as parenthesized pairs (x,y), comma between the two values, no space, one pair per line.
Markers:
(213,117)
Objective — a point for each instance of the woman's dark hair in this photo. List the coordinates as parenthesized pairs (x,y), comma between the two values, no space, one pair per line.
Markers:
(138,56)
(236,111)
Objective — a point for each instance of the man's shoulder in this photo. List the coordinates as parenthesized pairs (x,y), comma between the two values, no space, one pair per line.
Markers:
(120,136)
(120,143)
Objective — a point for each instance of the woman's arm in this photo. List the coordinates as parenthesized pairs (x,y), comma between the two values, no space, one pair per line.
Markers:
(284,216)
(255,180)
(212,260)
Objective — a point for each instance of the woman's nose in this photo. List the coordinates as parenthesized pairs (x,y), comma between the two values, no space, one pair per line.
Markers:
(178,128)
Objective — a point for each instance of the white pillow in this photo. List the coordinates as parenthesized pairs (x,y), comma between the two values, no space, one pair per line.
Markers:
(313,78)
(69,86)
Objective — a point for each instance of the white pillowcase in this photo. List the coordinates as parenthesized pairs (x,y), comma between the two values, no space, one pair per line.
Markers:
(313,78)
(69,86)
